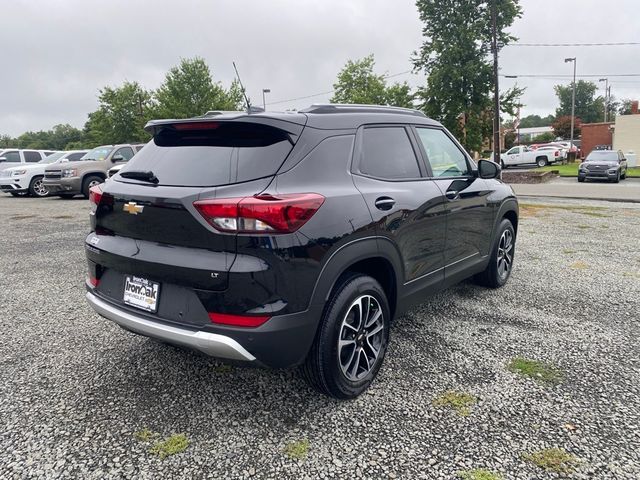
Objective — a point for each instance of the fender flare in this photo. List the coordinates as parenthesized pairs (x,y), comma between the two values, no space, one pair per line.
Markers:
(350,253)
(508,205)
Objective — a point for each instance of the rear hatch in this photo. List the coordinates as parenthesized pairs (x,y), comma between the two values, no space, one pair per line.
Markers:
(145,223)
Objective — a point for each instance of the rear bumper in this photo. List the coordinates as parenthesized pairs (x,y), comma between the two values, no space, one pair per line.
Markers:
(209,343)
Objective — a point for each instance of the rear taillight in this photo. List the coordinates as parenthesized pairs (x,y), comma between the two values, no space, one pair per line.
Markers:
(238,320)
(95,195)
(93,281)
(260,214)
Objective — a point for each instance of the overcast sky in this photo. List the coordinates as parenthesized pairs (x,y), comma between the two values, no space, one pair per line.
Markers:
(57,54)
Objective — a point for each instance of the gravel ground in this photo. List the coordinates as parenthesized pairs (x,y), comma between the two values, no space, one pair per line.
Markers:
(75,389)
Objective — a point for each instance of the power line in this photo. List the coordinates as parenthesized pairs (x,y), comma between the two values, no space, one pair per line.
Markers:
(603,44)
(571,76)
(392,75)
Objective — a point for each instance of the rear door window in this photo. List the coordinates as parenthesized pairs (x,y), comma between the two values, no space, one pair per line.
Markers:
(387,153)
(218,154)
(32,157)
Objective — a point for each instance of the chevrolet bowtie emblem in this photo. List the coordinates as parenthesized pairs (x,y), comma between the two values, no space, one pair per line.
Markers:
(133,208)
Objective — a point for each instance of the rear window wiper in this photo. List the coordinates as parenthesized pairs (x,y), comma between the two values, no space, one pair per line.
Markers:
(146,176)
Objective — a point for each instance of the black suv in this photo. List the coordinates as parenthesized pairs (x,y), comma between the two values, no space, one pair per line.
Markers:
(284,239)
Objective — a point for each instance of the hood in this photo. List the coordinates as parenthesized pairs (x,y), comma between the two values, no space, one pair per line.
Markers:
(601,163)
(25,166)
(59,165)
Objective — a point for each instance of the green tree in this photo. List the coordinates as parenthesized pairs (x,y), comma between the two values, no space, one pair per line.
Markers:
(536,121)
(357,83)
(5,141)
(623,108)
(189,91)
(455,56)
(547,137)
(588,107)
(121,115)
(562,127)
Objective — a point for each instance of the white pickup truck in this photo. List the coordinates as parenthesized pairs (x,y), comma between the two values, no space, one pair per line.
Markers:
(523,155)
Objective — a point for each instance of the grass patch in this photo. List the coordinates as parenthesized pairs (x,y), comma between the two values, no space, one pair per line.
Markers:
(145,435)
(540,371)
(579,265)
(595,214)
(459,401)
(176,443)
(297,450)
(222,369)
(479,474)
(571,170)
(554,460)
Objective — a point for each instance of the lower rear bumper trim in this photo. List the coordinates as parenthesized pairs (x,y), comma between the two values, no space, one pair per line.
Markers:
(209,343)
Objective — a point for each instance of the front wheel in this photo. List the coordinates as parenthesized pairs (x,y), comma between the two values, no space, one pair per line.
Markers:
(617,179)
(501,262)
(351,340)
(623,176)
(89,182)
(541,162)
(37,188)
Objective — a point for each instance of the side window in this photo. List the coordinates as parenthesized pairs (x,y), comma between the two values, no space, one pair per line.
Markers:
(74,157)
(31,156)
(47,153)
(12,156)
(126,153)
(513,151)
(443,155)
(387,153)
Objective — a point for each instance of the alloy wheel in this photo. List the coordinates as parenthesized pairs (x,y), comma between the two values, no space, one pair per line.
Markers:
(505,253)
(361,338)
(93,183)
(40,189)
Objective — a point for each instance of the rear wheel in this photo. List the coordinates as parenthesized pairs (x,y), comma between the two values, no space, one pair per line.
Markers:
(89,182)
(37,188)
(541,161)
(501,262)
(351,340)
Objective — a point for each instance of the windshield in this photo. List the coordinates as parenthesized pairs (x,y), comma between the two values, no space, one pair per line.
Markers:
(54,157)
(98,153)
(602,156)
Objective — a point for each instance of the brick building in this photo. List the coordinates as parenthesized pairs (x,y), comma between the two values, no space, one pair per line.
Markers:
(596,134)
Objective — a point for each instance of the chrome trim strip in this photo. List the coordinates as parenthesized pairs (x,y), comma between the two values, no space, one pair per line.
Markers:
(208,343)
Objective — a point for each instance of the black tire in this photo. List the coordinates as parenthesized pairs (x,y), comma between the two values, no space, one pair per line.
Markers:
(617,179)
(67,196)
(541,161)
(324,367)
(581,179)
(18,194)
(492,276)
(624,176)
(37,188)
(502,165)
(89,182)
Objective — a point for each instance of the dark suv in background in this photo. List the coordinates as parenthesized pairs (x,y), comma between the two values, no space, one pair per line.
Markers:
(285,239)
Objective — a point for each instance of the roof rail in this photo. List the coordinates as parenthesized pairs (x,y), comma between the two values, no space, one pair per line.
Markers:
(357,108)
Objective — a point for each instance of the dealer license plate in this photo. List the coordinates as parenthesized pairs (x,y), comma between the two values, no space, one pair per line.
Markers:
(141,293)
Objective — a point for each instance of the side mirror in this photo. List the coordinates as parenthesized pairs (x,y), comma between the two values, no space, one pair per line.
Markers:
(488,169)
(64,160)
(117,158)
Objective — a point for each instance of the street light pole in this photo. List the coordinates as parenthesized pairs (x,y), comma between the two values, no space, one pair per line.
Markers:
(573,98)
(264,98)
(496,91)
(606,96)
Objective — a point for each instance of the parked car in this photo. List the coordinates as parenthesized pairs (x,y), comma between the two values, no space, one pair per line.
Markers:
(28,179)
(284,239)
(559,153)
(12,157)
(68,181)
(115,169)
(523,155)
(603,165)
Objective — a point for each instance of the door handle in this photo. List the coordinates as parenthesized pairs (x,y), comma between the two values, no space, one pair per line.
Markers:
(385,203)
(451,194)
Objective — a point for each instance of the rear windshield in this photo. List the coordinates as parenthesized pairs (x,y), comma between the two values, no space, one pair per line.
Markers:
(219,154)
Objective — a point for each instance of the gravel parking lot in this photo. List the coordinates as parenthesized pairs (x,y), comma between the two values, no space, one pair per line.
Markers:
(80,397)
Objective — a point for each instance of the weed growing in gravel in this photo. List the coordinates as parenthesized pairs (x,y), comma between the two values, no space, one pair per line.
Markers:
(171,445)
(224,368)
(553,460)
(459,401)
(579,265)
(584,227)
(540,371)
(479,474)
(297,450)
(568,251)
(595,214)
(145,435)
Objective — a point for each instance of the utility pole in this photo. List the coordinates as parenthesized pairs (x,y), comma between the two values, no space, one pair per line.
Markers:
(264,98)
(496,91)
(606,96)
(573,99)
